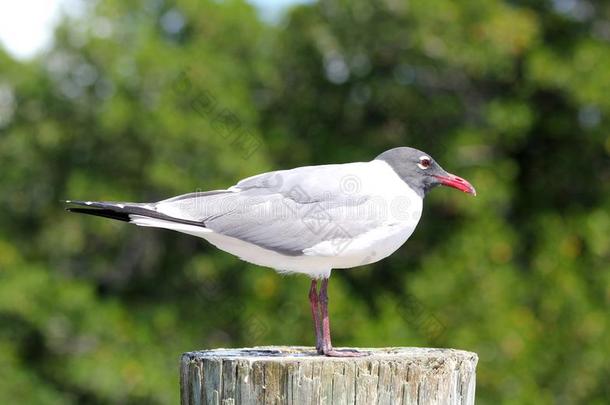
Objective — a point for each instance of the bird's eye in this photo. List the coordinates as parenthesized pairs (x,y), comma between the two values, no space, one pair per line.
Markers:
(424,162)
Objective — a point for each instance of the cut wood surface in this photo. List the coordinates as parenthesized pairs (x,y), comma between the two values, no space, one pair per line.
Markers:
(297,375)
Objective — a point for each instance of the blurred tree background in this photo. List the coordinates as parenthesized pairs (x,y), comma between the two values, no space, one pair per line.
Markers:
(143,100)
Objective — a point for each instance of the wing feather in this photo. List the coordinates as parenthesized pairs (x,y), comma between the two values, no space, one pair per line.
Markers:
(288,211)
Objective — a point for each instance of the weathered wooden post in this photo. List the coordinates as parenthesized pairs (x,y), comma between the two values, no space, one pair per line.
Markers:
(296,375)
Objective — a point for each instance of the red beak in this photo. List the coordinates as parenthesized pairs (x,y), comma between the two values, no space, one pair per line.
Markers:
(454,181)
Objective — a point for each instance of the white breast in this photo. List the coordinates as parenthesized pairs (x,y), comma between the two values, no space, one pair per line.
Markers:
(400,208)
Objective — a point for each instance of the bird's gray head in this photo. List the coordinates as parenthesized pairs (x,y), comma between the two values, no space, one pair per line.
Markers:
(421,172)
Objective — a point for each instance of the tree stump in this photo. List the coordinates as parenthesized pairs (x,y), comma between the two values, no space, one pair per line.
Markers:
(297,375)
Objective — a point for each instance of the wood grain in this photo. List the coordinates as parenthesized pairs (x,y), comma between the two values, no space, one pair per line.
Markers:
(296,375)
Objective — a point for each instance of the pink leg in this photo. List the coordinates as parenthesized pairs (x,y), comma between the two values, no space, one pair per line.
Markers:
(315,314)
(327,347)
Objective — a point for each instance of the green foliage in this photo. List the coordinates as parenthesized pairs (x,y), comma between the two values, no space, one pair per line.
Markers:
(141,101)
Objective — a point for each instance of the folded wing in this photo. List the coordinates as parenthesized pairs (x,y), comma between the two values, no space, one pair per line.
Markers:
(289,212)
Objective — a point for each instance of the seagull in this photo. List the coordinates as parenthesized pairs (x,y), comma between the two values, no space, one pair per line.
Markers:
(307,220)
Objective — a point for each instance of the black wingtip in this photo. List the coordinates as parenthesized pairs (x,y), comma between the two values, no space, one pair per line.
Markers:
(121,211)
(100,212)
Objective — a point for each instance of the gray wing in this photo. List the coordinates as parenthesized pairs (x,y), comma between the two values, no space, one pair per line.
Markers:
(274,212)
